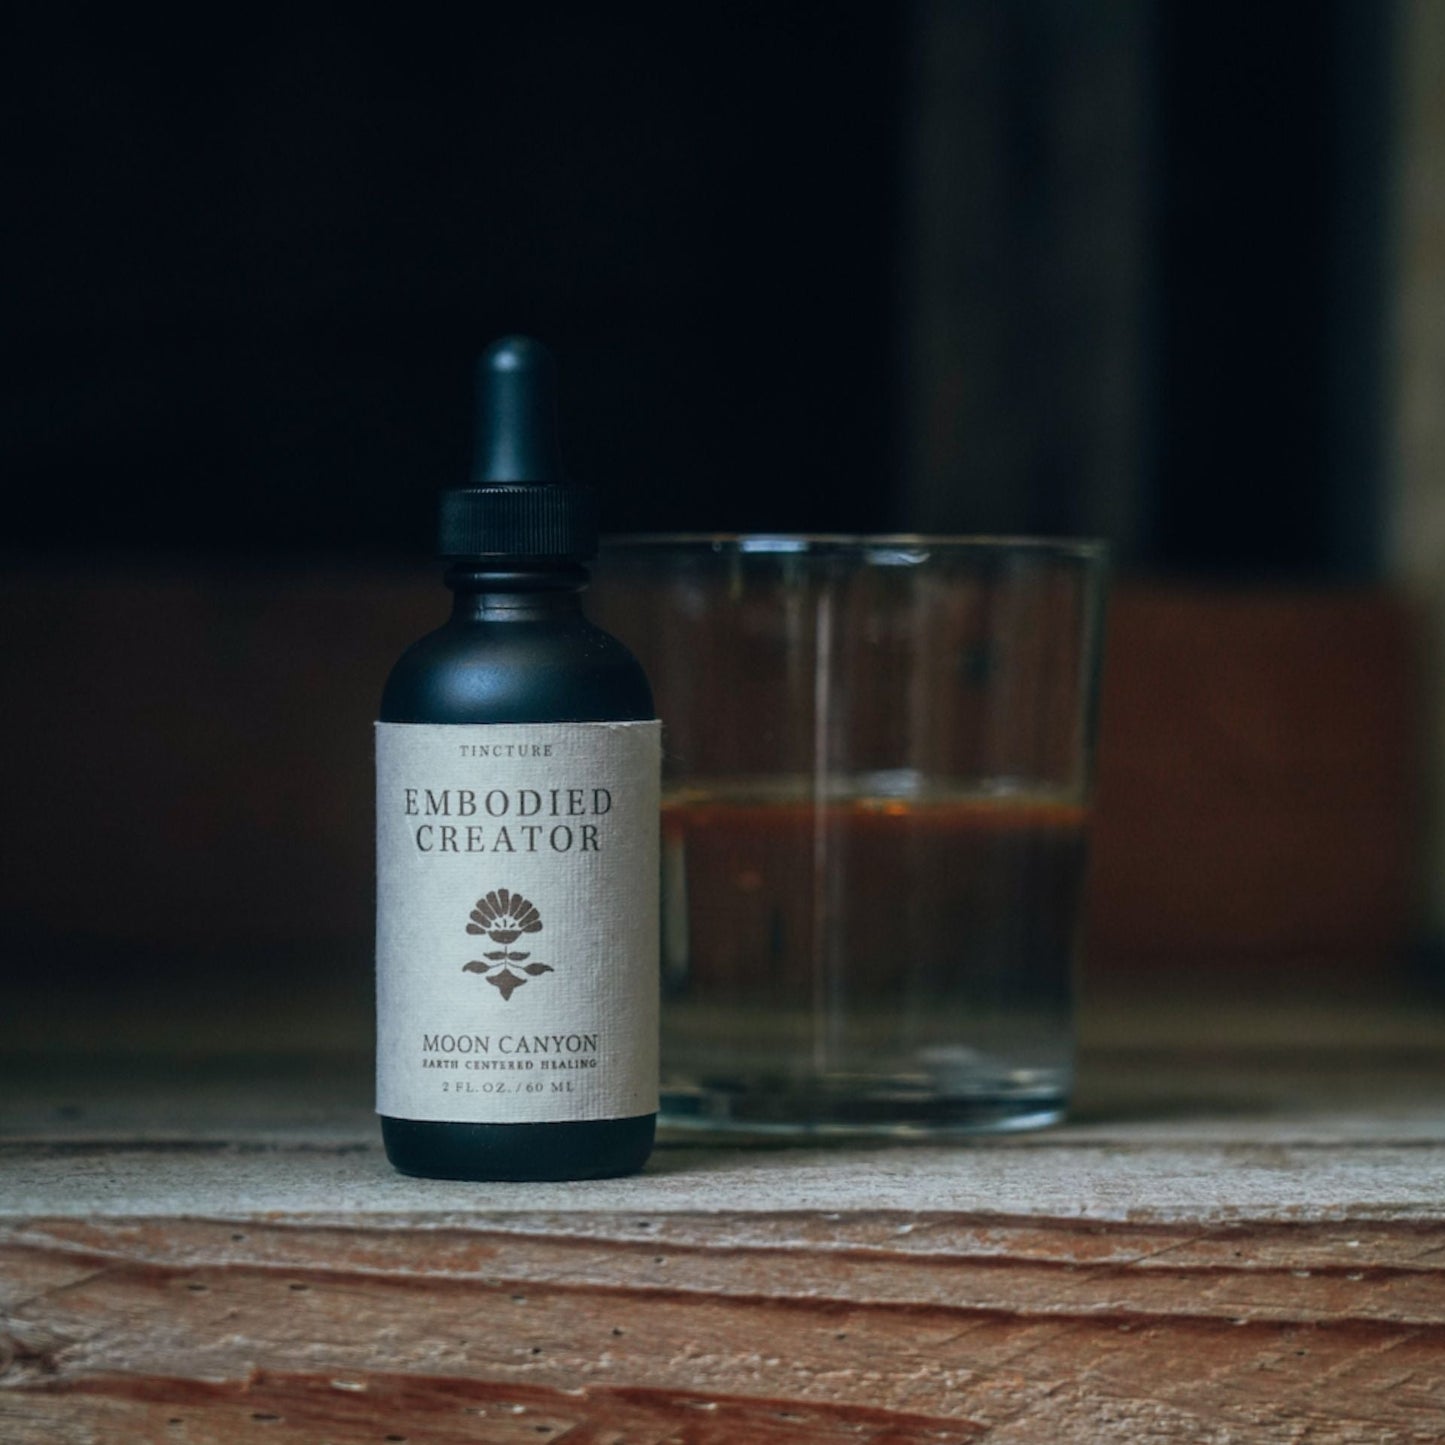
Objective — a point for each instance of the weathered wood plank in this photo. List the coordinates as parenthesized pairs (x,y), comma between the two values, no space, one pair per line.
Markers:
(980,1329)
(299,1409)
(1236,1246)
(1391,1273)
(1208,1181)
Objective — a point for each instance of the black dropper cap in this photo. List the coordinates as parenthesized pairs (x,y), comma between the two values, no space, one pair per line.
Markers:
(518,503)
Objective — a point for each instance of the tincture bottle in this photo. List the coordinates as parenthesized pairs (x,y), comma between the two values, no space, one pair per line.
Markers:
(517,775)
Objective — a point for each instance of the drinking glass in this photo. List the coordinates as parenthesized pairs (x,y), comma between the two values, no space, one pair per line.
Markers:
(877,756)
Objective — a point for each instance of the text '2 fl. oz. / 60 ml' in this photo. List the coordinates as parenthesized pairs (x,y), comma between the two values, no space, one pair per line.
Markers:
(517,763)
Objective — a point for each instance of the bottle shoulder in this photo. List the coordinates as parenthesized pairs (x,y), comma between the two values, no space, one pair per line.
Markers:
(516,672)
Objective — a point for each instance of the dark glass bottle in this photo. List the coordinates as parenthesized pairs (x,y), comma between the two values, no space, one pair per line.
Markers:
(517,651)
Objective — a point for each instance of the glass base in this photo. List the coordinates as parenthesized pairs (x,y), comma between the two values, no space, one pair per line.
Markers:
(699,1111)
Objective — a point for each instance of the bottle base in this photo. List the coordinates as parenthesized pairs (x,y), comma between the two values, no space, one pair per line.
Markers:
(590,1149)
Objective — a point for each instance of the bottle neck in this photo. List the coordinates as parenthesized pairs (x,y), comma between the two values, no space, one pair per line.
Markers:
(516,592)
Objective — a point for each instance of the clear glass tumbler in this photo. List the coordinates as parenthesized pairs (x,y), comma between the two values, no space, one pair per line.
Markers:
(877,756)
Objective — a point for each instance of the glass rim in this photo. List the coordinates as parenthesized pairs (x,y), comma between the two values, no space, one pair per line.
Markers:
(1090,549)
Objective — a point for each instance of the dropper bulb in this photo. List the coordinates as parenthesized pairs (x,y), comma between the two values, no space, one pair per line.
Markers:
(517,502)
(516,400)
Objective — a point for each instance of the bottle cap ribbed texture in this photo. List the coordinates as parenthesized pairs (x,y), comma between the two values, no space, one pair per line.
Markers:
(545,521)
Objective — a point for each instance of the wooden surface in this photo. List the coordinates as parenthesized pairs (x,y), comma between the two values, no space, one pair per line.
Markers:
(1239,1241)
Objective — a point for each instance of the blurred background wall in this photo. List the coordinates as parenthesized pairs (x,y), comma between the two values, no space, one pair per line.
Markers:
(1166,273)
(1121,267)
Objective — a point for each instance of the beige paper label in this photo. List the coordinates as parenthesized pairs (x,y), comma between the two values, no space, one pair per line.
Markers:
(516,934)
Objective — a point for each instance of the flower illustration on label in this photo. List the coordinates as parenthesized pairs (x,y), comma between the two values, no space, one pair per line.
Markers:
(503,917)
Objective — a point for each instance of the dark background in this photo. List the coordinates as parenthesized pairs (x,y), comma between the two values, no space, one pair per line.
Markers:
(1114,268)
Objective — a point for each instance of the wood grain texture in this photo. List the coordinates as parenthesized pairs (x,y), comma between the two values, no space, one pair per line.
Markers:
(880,1327)
(1239,1240)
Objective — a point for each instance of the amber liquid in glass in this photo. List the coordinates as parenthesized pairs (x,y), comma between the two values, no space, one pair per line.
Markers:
(873,951)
